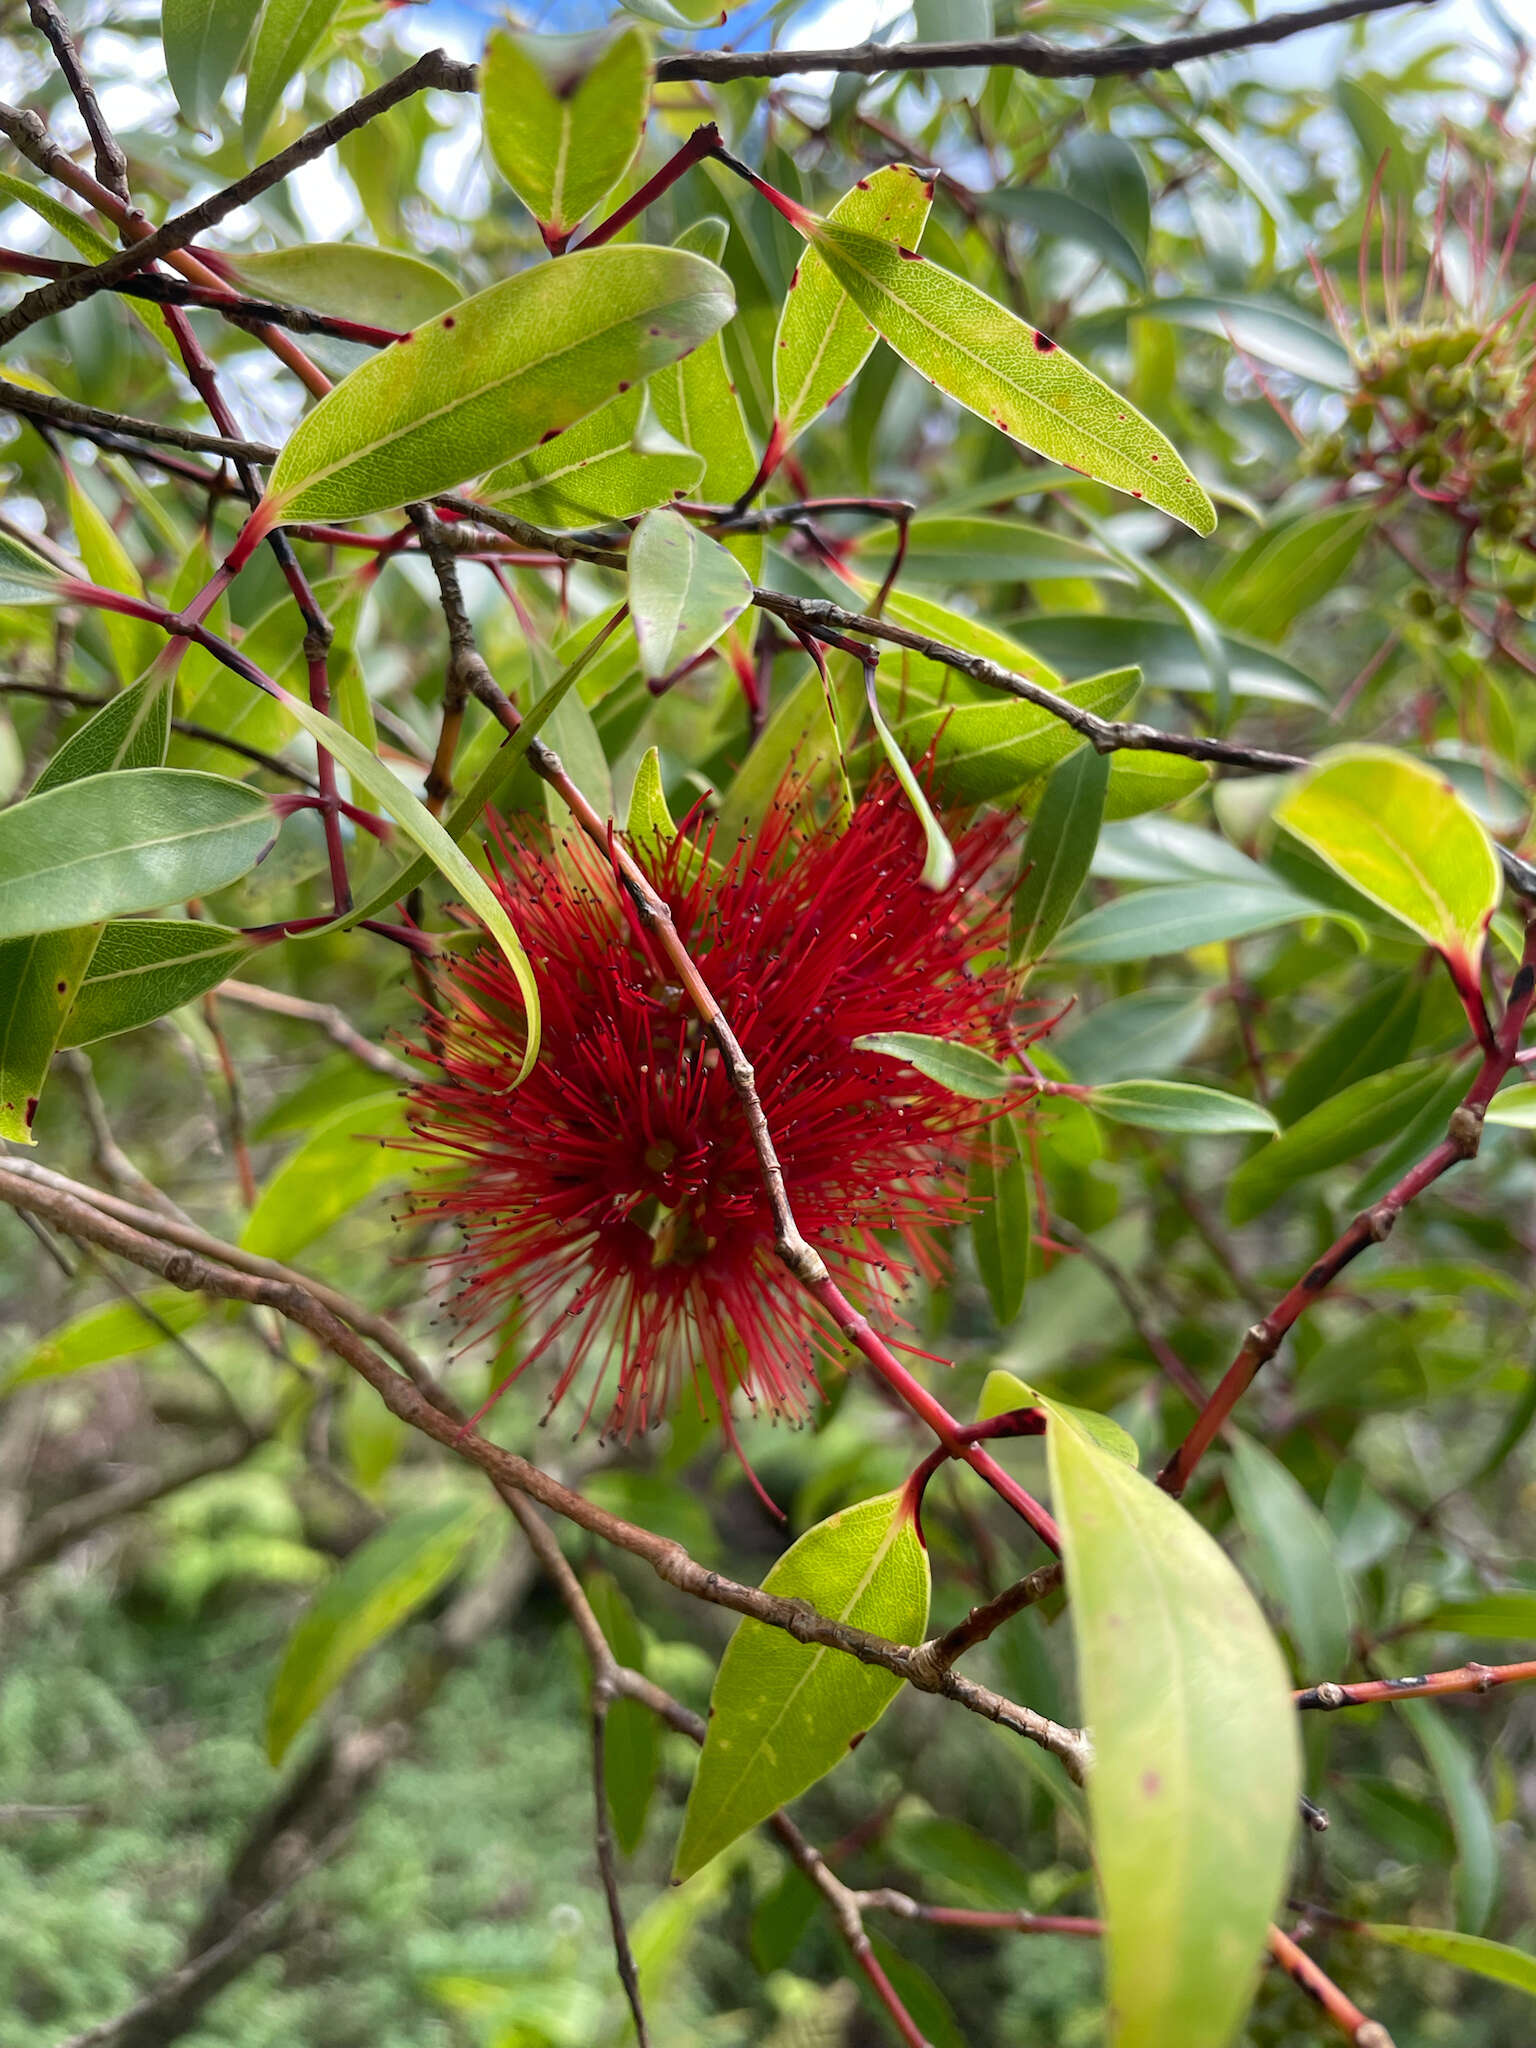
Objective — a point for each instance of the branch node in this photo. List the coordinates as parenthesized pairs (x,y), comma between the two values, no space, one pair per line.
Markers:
(1465,1129)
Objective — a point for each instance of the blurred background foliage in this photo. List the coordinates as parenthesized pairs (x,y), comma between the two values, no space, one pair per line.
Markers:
(1384,1498)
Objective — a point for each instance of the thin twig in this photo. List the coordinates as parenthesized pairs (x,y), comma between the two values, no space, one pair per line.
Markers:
(336,1025)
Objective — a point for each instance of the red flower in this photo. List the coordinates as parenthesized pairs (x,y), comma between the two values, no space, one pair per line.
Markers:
(615,1196)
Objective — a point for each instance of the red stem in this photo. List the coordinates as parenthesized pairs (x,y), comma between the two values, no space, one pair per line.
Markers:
(703,142)
(1372,1226)
(1466,1678)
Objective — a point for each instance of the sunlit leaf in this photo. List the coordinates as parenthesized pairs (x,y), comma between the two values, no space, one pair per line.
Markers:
(618,461)
(1002,1392)
(1492,1959)
(494,377)
(1013,377)
(823,338)
(1397,831)
(288,34)
(350,280)
(563,117)
(342,1161)
(101,1336)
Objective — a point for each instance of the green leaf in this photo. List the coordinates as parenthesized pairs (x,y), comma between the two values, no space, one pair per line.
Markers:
(1286,571)
(782,1713)
(1508,1616)
(1492,1959)
(1376,1033)
(1062,216)
(1356,1120)
(1196,1760)
(955,21)
(131,730)
(1475,1879)
(424,831)
(1017,380)
(494,377)
(134,642)
(143,968)
(1153,1031)
(1057,853)
(342,1161)
(649,818)
(1384,150)
(1083,643)
(132,840)
(564,116)
(95,248)
(632,1733)
(350,280)
(1180,1106)
(998,1186)
(376,1589)
(1175,918)
(962,1069)
(1398,832)
(823,339)
(289,33)
(1147,780)
(38,979)
(1273,332)
(944,547)
(931,681)
(618,461)
(1293,1556)
(1002,1392)
(204,41)
(984,750)
(684,590)
(103,1335)
(1515,1108)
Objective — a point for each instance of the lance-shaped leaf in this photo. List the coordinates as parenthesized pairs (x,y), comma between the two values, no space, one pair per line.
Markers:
(1491,1959)
(145,967)
(1293,1554)
(203,42)
(25,578)
(382,287)
(131,730)
(424,831)
(1196,1760)
(962,1069)
(1182,1107)
(684,590)
(564,116)
(824,338)
(782,1713)
(1398,832)
(290,31)
(1015,378)
(618,461)
(379,1587)
(134,642)
(101,1336)
(982,750)
(343,1159)
(938,854)
(1002,1392)
(501,372)
(94,247)
(38,979)
(1057,852)
(110,844)
(998,1184)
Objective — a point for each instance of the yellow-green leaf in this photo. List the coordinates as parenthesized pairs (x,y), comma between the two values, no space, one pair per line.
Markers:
(618,461)
(203,42)
(684,591)
(564,116)
(289,32)
(1196,1760)
(145,967)
(824,338)
(101,1336)
(1397,831)
(494,377)
(1009,374)
(342,1161)
(382,287)
(782,1713)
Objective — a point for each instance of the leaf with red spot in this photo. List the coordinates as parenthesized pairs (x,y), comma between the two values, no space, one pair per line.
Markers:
(824,338)
(1013,377)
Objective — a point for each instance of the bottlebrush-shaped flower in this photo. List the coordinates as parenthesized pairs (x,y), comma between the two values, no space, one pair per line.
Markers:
(615,1197)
